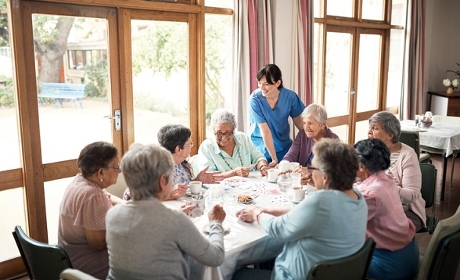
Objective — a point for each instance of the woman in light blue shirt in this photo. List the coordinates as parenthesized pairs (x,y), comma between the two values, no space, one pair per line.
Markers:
(327,224)
(230,151)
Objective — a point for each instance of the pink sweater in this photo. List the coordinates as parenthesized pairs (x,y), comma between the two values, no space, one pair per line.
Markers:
(387,223)
(408,178)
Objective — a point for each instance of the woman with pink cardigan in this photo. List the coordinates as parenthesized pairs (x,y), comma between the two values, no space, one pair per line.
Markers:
(404,166)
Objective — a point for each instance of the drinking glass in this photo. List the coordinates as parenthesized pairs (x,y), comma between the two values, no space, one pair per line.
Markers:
(284,182)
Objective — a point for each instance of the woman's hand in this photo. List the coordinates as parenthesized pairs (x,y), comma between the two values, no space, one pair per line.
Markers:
(187,207)
(246,214)
(307,180)
(274,163)
(242,171)
(264,170)
(217,214)
(209,178)
(178,191)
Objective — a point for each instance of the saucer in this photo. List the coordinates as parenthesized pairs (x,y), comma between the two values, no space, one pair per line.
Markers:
(265,178)
(188,193)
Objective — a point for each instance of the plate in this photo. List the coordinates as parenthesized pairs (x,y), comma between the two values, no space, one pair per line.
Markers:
(226,227)
(248,199)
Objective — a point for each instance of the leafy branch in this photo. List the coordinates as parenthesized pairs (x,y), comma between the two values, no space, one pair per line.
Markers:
(456,72)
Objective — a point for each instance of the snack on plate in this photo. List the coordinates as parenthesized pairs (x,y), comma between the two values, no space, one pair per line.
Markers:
(244,198)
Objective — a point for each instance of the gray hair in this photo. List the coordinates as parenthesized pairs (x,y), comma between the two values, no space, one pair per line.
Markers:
(142,166)
(390,124)
(317,110)
(222,116)
(338,161)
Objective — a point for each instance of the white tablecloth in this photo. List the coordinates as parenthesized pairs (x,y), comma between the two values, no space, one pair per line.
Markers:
(439,136)
(242,235)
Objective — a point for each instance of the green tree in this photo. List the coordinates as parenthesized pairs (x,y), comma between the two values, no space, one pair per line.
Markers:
(4,40)
(50,40)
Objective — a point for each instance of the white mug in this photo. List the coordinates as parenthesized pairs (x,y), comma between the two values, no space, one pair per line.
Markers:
(195,187)
(272,175)
(299,193)
(283,166)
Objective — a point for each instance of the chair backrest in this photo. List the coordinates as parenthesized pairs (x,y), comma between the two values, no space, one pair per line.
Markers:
(446,119)
(447,258)
(410,138)
(428,190)
(195,162)
(445,228)
(42,261)
(351,267)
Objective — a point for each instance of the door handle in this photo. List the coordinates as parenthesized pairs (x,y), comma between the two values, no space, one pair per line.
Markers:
(116,118)
(352,93)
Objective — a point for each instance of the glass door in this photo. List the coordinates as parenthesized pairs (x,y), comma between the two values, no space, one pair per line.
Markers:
(158,49)
(352,79)
(76,93)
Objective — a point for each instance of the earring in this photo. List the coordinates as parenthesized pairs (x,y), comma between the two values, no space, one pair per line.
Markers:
(101,180)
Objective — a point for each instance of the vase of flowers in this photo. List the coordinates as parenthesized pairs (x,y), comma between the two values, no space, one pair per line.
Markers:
(452,85)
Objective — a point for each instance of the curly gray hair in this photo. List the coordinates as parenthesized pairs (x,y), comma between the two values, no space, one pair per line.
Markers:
(222,116)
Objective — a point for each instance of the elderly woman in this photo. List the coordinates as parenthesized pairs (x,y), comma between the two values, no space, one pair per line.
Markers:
(177,139)
(396,255)
(314,128)
(230,152)
(270,107)
(404,167)
(81,230)
(327,224)
(147,240)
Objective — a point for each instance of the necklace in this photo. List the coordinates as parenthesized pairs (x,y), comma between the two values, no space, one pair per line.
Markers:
(239,156)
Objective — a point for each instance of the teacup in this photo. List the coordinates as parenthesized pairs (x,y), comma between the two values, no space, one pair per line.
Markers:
(283,166)
(298,193)
(195,187)
(272,175)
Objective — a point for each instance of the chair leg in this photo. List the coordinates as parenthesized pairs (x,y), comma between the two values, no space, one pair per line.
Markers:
(454,155)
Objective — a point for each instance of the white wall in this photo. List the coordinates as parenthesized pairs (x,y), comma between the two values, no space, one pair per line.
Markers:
(442,42)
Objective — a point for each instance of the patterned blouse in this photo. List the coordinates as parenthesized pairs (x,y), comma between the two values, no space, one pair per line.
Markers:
(182,173)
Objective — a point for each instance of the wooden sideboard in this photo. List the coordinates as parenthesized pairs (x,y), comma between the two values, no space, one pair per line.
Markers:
(444,104)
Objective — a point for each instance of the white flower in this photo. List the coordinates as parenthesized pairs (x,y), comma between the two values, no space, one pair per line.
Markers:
(455,83)
(447,82)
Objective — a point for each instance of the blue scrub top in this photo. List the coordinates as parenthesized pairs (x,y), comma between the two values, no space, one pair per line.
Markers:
(289,105)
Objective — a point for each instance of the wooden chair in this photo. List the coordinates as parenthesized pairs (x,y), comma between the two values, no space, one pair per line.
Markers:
(351,267)
(412,139)
(428,190)
(42,261)
(441,258)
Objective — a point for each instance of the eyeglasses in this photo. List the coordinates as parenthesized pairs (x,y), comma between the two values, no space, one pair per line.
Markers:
(115,168)
(312,168)
(219,134)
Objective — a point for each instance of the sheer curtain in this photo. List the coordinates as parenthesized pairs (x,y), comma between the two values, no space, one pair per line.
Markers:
(414,94)
(254,47)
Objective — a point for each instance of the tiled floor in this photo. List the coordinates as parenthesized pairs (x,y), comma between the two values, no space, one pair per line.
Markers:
(443,209)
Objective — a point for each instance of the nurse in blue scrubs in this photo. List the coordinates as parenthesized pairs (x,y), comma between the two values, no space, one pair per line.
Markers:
(270,107)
